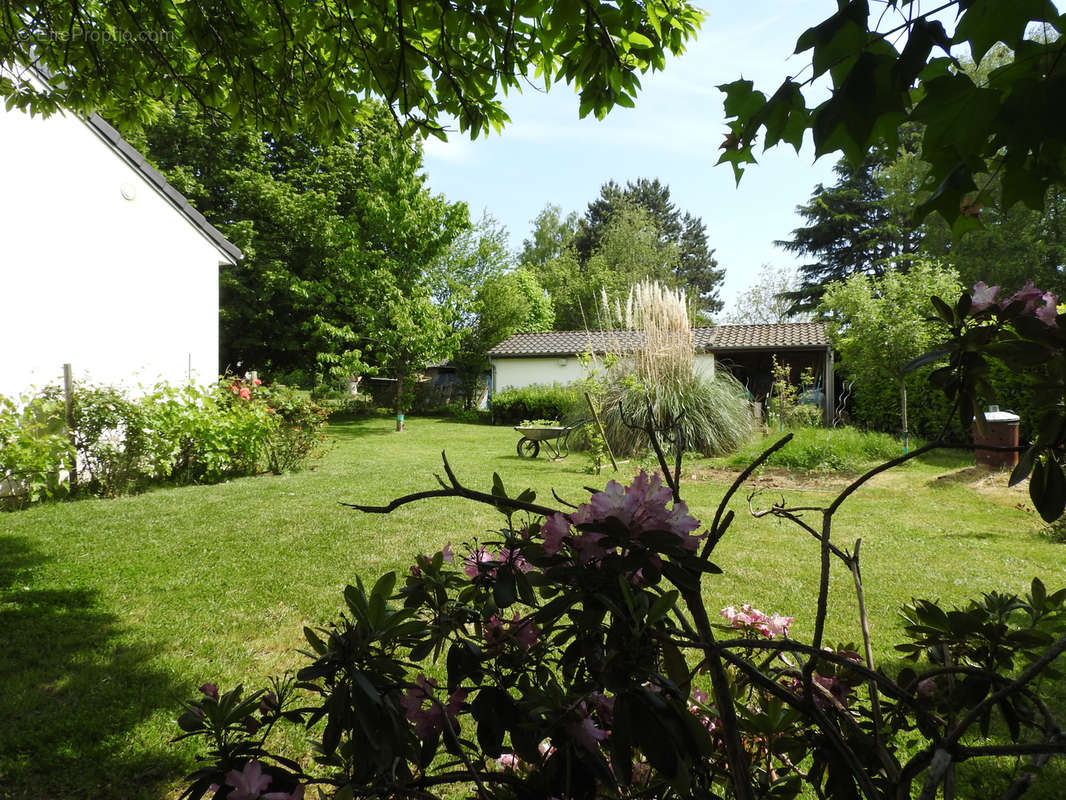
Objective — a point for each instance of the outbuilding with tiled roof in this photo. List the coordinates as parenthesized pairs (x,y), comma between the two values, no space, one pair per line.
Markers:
(747,351)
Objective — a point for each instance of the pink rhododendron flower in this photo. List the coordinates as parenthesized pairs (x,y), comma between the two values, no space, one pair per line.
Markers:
(589,546)
(235,388)
(479,562)
(836,687)
(249,783)
(926,688)
(430,721)
(1029,295)
(554,528)
(525,632)
(641,507)
(257,382)
(749,617)
(522,631)
(1049,310)
(246,393)
(778,625)
(586,734)
(983,296)
(507,761)
(514,558)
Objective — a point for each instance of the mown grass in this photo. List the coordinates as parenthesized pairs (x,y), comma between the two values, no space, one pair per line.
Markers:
(114,611)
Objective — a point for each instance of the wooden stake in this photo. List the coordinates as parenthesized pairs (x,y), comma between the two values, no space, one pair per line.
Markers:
(68,396)
(599,425)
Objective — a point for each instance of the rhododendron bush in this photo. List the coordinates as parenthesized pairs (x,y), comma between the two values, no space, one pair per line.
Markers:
(572,655)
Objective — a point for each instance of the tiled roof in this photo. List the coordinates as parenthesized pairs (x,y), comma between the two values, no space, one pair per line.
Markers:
(785,335)
(792,335)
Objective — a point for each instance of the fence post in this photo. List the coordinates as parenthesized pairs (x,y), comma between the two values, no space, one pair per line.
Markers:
(68,397)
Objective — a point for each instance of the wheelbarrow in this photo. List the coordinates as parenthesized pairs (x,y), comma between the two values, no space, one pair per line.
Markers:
(555,439)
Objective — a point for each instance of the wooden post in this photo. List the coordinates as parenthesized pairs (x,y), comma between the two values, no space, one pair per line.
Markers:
(68,396)
(903,402)
(829,382)
(599,426)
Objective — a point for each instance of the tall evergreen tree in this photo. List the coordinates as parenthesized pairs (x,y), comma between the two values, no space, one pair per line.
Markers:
(696,269)
(852,229)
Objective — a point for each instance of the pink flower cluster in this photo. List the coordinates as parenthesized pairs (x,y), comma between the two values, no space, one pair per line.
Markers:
(430,721)
(697,705)
(984,296)
(750,618)
(250,782)
(522,631)
(641,507)
(482,562)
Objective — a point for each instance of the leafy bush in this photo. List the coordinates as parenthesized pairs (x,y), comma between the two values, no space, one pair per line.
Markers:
(181,434)
(298,434)
(823,450)
(878,325)
(539,401)
(33,450)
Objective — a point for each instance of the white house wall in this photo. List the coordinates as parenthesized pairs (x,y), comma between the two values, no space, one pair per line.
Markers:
(514,373)
(96,268)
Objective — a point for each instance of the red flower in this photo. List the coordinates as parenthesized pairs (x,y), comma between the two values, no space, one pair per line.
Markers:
(246,393)
(257,382)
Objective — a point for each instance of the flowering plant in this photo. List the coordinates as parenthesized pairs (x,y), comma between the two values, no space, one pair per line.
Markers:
(571,655)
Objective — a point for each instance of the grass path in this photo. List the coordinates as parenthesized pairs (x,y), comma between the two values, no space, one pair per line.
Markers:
(113,611)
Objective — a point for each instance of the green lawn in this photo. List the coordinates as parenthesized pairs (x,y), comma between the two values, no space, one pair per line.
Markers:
(113,611)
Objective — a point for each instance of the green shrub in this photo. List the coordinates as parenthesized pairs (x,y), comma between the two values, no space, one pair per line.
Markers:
(185,434)
(33,451)
(539,401)
(298,434)
(823,450)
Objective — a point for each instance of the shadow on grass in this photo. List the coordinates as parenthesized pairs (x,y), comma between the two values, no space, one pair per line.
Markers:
(356,428)
(72,693)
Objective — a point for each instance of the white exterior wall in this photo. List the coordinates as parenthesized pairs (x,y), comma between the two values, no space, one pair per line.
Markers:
(514,373)
(125,290)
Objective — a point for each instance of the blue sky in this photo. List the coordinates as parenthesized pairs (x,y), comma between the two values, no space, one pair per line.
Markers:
(548,155)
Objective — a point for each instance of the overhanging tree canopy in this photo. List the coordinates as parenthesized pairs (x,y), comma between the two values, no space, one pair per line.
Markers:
(889,63)
(290,64)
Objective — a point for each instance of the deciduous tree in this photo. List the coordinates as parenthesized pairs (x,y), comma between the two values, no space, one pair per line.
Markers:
(892,63)
(291,65)
(329,234)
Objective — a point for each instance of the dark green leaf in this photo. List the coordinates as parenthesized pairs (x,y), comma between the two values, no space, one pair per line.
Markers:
(1047,488)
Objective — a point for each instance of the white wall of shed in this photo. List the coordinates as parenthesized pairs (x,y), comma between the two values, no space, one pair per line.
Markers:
(125,290)
(515,373)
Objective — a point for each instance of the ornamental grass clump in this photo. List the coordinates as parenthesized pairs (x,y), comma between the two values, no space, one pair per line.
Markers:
(660,379)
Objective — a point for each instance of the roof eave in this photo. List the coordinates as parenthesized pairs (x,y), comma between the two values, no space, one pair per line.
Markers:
(128,153)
